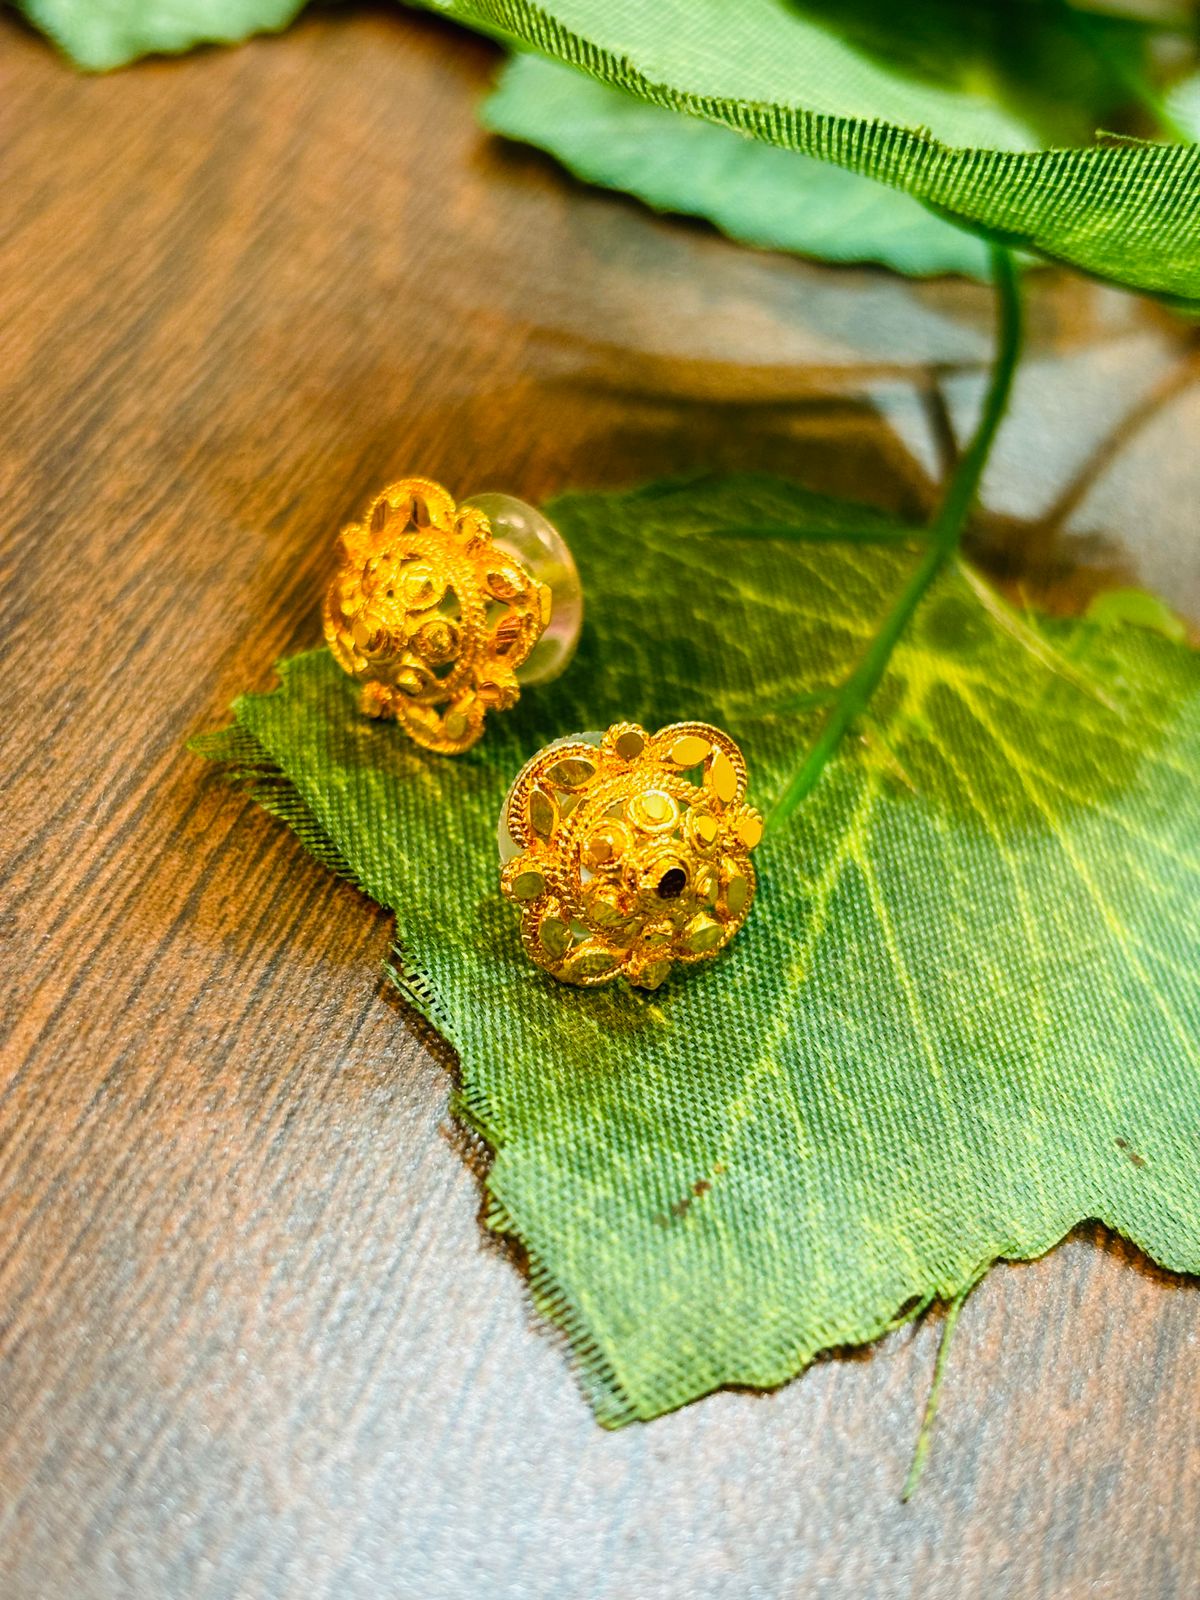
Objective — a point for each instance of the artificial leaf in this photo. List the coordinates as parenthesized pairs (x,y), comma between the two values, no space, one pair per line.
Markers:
(1056,72)
(1140,610)
(782,71)
(99,34)
(755,193)
(963,1015)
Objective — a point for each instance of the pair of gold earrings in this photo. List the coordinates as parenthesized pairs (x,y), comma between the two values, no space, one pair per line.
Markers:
(625,851)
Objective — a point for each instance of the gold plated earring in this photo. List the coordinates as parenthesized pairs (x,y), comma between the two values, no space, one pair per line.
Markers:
(628,851)
(444,612)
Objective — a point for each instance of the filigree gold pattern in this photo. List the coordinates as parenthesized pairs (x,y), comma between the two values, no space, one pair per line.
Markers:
(430,616)
(631,855)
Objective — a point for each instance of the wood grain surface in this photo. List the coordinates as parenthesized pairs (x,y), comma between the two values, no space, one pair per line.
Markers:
(253,1341)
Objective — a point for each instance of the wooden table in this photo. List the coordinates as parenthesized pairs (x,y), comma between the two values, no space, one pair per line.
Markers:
(254,1342)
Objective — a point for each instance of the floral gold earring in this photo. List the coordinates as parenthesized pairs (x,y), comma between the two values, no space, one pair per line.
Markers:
(628,851)
(443,612)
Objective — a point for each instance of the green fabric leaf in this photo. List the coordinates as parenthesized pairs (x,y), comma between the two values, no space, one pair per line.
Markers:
(99,34)
(755,193)
(1140,610)
(784,71)
(1054,69)
(963,1015)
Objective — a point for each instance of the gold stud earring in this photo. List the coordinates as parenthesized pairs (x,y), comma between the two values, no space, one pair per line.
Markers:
(444,612)
(628,851)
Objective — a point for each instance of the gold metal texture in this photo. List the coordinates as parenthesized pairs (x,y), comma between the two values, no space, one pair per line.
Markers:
(633,855)
(430,616)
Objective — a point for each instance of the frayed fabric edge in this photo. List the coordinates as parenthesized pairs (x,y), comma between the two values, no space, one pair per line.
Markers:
(245,764)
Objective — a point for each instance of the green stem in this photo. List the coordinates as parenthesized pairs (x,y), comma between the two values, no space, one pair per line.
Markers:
(944,536)
(925,1432)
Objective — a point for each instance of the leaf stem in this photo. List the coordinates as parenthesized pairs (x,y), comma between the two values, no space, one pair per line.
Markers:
(925,1432)
(964,484)
(945,534)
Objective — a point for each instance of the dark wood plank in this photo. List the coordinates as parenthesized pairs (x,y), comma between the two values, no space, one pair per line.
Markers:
(253,1341)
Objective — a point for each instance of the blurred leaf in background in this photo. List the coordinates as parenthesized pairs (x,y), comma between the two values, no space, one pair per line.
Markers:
(1139,609)
(1184,105)
(757,194)
(786,72)
(1057,75)
(99,34)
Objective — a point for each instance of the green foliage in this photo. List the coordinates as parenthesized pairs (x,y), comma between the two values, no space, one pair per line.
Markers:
(753,192)
(1055,71)
(113,32)
(786,72)
(1140,610)
(962,1017)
